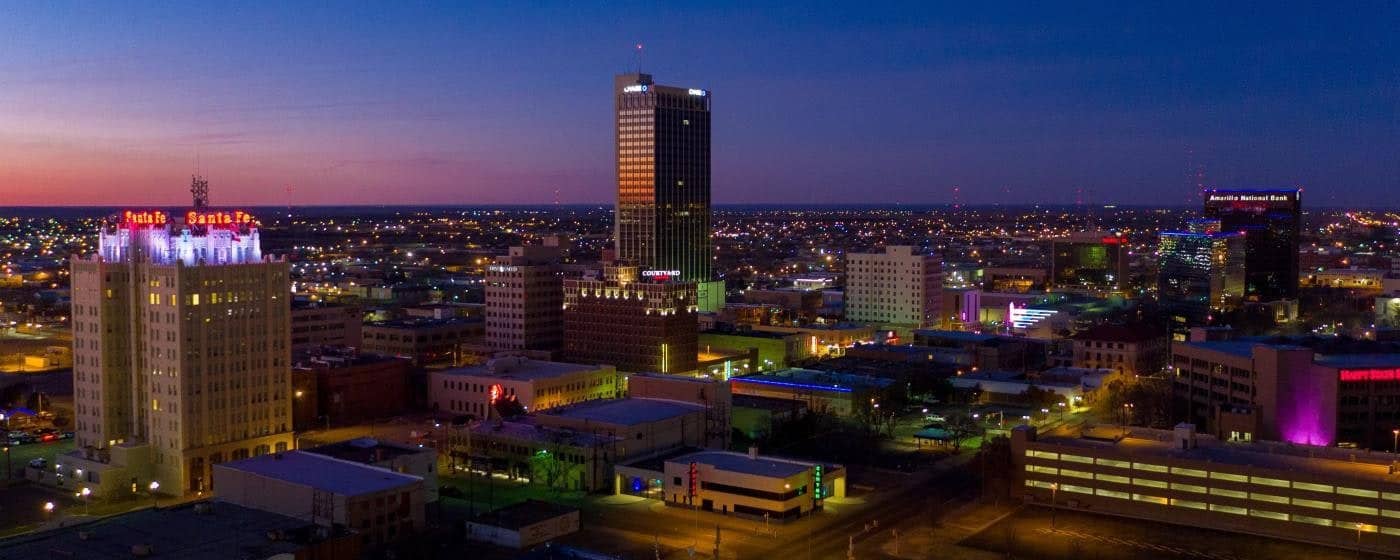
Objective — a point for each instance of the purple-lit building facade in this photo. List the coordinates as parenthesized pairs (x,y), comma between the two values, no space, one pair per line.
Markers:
(1252,390)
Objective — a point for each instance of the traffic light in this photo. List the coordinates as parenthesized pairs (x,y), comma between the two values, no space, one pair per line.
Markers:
(694,484)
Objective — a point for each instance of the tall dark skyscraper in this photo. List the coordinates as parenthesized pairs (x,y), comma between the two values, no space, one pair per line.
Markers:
(663,181)
(1271,220)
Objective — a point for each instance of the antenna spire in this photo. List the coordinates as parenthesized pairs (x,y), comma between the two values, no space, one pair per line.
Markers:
(199,189)
(638,57)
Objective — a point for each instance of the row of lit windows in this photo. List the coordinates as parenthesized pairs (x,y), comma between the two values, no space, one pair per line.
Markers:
(1223,508)
(1216,475)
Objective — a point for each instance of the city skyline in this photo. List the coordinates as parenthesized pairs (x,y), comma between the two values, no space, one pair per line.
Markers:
(371,105)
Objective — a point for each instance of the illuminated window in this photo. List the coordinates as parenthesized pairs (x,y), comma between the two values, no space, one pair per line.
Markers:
(1357,509)
(1149,467)
(1189,472)
(1040,469)
(1038,483)
(1314,487)
(1077,459)
(1076,474)
(1392,496)
(1269,481)
(1229,493)
(1312,520)
(1149,482)
(1111,494)
(1113,478)
(1312,503)
(1357,492)
(1189,504)
(1043,454)
(1268,498)
(1113,463)
(1228,509)
(1390,513)
(1188,488)
(1152,499)
(1228,476)
(1268,514)
(194,299)
(1390,531)
(1076,489)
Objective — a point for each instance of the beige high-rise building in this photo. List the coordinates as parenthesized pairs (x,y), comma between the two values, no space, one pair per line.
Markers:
(182,339)
(525,297)
(900,287)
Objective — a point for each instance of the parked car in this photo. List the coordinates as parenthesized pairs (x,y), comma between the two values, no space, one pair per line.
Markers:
(38,463)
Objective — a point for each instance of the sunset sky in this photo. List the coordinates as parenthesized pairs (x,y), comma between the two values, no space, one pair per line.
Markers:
(499,102)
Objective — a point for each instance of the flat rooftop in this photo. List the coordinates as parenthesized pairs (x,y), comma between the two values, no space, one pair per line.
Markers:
(1359,360)
(523,514)
(766,403)
(1329,462)
(525,431)
(961,336)
(366,450)
(523,369)
(220,531)
(625,412)
(772,467)
(423,323)
(814,379)
(322,472)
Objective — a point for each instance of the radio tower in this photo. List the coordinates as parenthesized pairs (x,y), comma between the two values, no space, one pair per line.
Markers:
(199,189)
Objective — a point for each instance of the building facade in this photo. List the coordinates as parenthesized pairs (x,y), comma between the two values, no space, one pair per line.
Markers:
(899,287)
(663,181)
(182,343)
(1308,494)
(1090,262)
(423,341)
(1199,275)
(1247,390)
(525,298)
(535,384)
(353,386)
(321,324)
(1127,350)
(633,322)
(381,505)
(1271,221)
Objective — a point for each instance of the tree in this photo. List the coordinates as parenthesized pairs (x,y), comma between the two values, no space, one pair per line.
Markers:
(509,407)
(959,427)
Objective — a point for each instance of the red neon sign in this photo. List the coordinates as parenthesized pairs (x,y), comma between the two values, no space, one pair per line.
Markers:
(496,391)
(1369,374)
(144,218)
(234,218)
(1112,240)
(694,479)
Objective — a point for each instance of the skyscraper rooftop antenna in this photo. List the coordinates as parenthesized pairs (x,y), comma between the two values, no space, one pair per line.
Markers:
(637,55)
(199,189)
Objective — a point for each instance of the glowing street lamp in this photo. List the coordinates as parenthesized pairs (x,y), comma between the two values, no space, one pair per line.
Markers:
(154,498)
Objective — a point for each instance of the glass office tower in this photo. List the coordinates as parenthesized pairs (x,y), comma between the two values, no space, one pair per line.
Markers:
(1271,220)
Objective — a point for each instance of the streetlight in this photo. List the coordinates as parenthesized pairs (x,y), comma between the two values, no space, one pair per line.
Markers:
(155,500)
(85,494)
(48,510)
(8,473)
(1394,438)
(1054,489)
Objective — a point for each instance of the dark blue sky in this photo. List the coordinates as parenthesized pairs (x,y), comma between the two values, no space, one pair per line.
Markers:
(469,103)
